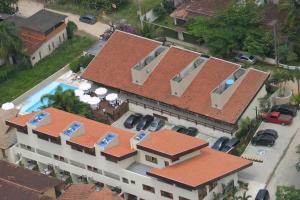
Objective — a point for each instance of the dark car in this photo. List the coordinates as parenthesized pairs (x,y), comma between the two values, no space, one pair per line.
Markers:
(263,140)
(220,143)
(179,129)
(88,18)
(144,122)
(228,146)
(285,109)
(262,194)
(192,131)
(132,120)
(156,124)
(270,132)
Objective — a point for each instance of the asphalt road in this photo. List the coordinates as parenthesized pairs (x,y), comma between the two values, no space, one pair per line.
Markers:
(29,7)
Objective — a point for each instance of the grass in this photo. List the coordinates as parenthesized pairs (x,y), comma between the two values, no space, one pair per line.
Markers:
(127,11)
(27,78)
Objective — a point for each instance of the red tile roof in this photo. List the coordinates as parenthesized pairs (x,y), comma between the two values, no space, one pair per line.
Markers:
(120,54)
(192,8)
(93,131)
(171,144)
(209,166)
(88,192)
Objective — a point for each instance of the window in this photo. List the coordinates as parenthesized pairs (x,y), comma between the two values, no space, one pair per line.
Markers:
(132,182)
(49,47)
(151,159)
(212,185)
(183,198)
(53,45)
(202,192)
(56,157)
(166,164)
(148,188)
(63,36)
(40,54)
(59,39)
(111,175)
(43,137)
(33,58)
(125,180)
(94,169)
(55,140)
(166,194)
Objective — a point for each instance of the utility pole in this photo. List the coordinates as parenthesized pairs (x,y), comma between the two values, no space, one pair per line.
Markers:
(140,13)
(275,43)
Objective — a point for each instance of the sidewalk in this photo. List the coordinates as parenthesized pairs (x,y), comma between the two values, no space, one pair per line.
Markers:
(29,7)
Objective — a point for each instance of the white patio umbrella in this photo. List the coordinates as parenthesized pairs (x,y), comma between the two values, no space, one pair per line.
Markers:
(101,91)
(85,86)
(85,98)
(94,101)
(111,97)
(7,106)
(79,93)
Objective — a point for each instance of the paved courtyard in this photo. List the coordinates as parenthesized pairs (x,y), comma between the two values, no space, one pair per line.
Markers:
(29,7)
(261,173)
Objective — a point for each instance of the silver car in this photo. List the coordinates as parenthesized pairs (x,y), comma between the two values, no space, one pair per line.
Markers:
(156,124)
(245,58)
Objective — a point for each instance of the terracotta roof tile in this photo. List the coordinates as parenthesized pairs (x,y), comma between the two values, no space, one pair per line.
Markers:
(171,144)
(209,166)
(117,58)
(94,130)
(88,192)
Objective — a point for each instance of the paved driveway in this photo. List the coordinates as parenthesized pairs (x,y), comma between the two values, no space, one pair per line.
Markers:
(263,172)
(29,7)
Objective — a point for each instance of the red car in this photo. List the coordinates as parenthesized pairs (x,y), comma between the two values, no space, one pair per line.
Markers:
(276,117)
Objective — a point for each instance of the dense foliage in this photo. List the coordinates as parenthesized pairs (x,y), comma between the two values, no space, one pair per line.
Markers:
(7,6)
(82,61)
(287,193)
(107,5)
(238,27)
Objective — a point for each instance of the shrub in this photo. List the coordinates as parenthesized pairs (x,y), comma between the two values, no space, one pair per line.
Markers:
(82,61)
(71,28)
(159,12)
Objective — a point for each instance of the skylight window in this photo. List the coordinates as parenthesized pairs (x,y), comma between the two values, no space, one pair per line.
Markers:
(38,118)
(107,139)
(72,128)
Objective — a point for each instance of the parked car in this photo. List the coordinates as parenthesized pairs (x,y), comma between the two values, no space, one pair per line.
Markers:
(263,140)
(230,144)
(132,120)
(179,129)
(144,122)
(278,118)
(245,58)
(285,109)
(192,131)
(262,194)
(218,145)
(270,132)
(156,124)
(88,18)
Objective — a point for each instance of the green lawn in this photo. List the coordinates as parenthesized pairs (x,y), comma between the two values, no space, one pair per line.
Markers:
(28,78)
(127,12)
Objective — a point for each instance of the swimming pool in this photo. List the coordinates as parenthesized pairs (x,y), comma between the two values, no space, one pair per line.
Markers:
(34,103)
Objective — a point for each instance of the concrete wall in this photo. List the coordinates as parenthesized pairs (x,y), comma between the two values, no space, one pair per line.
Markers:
(44,50)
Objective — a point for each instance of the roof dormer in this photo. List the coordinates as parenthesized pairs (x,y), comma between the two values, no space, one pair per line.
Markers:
(141,136)
(142,70)
(180,82)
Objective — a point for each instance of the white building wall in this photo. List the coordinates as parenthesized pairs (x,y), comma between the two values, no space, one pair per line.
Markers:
(100,162)
(44,50)
(251,110)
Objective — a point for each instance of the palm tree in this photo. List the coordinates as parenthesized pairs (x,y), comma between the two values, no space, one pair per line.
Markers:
(67,101)
(295,99)
(10,42)
(280,77)
(244,197)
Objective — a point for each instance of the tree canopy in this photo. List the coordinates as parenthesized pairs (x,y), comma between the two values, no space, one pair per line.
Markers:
(10,42)
(6,6)
(233,29)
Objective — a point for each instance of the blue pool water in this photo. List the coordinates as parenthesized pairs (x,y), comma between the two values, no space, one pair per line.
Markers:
(34,103)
